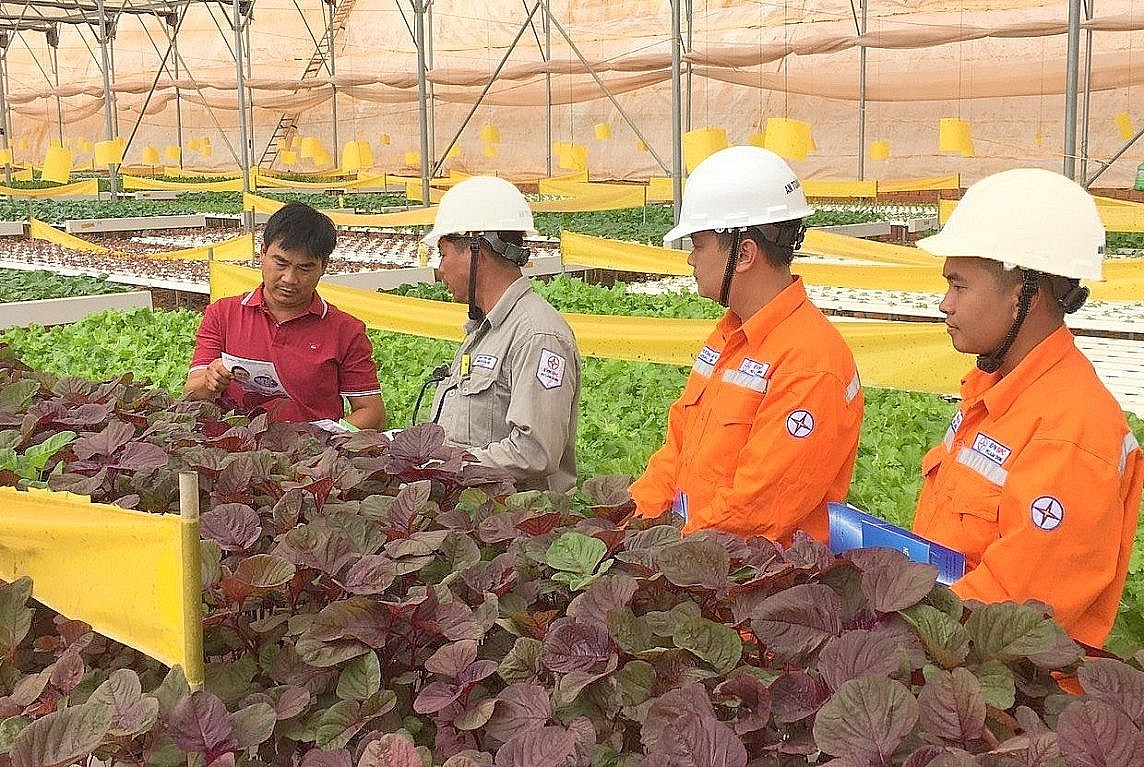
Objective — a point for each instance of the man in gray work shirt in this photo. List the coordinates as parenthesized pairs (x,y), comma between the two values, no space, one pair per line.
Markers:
(513,390)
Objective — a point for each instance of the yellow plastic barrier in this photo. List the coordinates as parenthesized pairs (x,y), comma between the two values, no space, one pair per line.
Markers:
(1117,215)
(840,188)
(905,355)
(134,577)
(41,231)
(239,248)
(931,183)
(401,218)
(89,187)
(154,184)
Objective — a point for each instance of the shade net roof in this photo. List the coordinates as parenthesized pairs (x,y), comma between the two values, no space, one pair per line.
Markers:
(552,74)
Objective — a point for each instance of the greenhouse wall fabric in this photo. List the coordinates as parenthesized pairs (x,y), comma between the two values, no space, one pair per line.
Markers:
(137,580)
(999,66)
(906,355)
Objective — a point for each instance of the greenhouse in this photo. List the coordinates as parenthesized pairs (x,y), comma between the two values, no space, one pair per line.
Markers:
(544,384)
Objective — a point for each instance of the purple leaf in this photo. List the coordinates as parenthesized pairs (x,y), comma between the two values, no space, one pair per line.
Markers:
(1094,734)
(573,646)
(390,750)
(796,695)
(140,456)
(316,757)
(354,618)
(200,724)
(753,707)
(867,718)
(291,702)
(254,724)
(88,414)
(62,737)
(551,747)
(667,708)
(857,653)
(796,622)
(436,696)
(317,546)
(372,574)
(1115,683)
(890,581)
(695,561)
(610,592)
(952,707)
(520,708)
(114,436)
(697,739)
(67,671)
(452,659)
(233,526)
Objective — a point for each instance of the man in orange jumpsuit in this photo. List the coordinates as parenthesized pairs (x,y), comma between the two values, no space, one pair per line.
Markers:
(766,430)
(1038,478)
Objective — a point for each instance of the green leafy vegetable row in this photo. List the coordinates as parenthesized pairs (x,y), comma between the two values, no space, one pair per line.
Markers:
(16,285)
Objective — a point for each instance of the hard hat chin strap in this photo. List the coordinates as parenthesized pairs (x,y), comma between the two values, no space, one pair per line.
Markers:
(729,272)
(476,314)
(991,362)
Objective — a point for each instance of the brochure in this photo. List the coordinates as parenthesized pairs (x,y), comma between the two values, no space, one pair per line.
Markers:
(851,528)
(259,376)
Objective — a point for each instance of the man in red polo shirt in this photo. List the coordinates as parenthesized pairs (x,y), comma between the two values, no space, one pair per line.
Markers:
(281,349)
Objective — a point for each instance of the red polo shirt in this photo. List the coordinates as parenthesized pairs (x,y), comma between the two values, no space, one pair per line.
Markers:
(320,356)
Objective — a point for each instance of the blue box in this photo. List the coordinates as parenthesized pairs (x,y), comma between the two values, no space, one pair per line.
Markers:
(851,528)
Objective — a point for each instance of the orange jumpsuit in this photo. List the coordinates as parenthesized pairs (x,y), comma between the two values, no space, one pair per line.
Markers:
(766,430)
(1038,483)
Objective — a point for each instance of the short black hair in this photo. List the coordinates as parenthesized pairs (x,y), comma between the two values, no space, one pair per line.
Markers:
(771,239)
(297,226)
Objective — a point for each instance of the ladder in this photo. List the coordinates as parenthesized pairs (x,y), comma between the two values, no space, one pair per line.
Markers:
(288,122)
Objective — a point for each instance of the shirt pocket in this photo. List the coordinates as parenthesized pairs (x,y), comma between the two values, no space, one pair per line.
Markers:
(730,417)
(975,497)
(479,403)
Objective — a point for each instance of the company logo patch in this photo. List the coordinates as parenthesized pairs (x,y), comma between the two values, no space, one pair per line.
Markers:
(799,424)
(486,361)
(991,448)
(1047,512)
(550,370)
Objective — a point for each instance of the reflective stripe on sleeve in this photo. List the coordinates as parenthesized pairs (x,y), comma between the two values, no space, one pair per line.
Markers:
(982,466)
(1126,449)
(747,381)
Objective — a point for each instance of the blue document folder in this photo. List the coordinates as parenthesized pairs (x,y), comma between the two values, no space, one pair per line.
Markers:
(851,528)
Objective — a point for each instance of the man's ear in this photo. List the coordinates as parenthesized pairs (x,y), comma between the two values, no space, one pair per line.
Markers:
(749,254)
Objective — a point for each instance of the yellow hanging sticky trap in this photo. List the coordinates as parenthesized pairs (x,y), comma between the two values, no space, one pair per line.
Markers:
(1124,125)
(310,147)
(640,145)
(108,153)
(788,138)
(385,139)
(953,134)
(57,165)
(880,149)
(603,131)
(351,158)
(172,152)
(491,150)
(490,134)
(288,157)
(758,139)
(453,153)
(150,155)
(6,156)
(365,153)
(700,144)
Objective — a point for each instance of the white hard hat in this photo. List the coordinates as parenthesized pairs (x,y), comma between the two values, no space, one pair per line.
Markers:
(481,204)
(737,187)
(1027,217)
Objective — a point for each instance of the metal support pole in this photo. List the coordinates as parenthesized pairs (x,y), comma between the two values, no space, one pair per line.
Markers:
(1071,89)
(862,97)
(4,145)
(690,8)
(108,101)
(56,76)
(330,67)
(548,86)
(676,105)
(422,96)
(1087,93)
(178,97)
(244,151)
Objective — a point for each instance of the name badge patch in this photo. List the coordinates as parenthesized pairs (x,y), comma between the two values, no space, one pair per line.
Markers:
(550,370)
(991,448)
(486,361)
(754,368)
(708,356)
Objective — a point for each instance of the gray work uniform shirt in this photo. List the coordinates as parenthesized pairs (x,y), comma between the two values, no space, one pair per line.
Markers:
(513,391)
